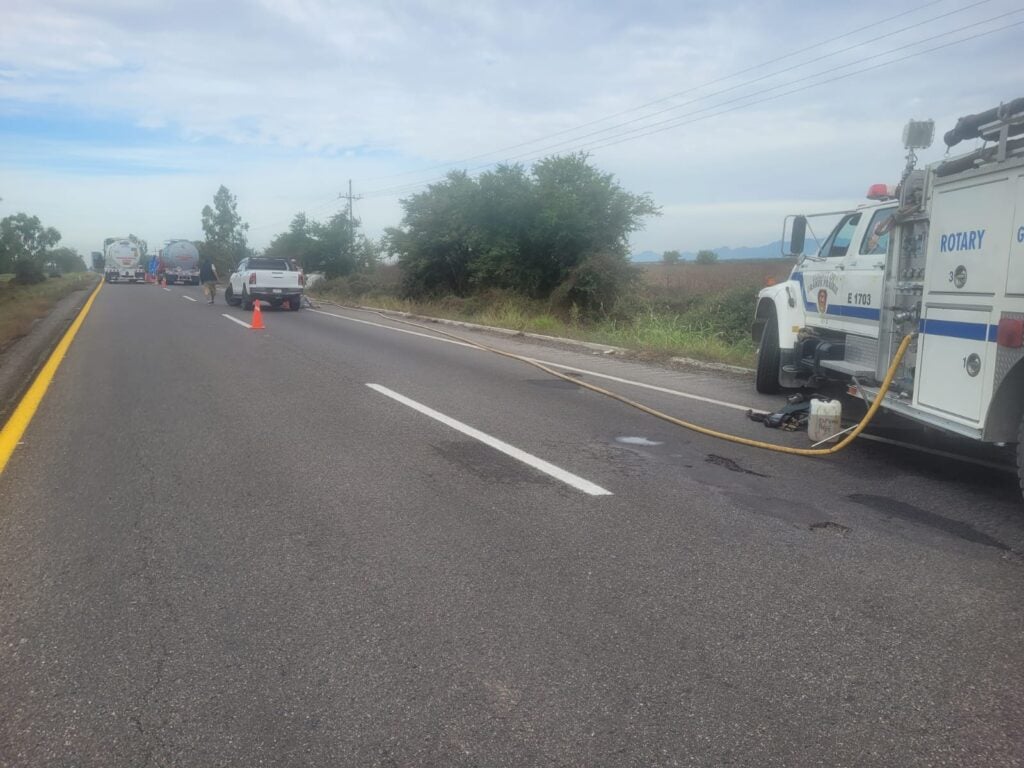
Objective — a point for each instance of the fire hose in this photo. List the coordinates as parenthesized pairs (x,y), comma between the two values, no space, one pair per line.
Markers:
(852,434)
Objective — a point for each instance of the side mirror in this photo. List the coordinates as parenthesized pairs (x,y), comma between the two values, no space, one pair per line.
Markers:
(798,236)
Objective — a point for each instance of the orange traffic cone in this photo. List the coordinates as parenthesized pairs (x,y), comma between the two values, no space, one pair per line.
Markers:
(257,316)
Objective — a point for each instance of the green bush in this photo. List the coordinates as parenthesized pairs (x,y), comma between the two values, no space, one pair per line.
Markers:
(726,315)
(28,272)
(597,284)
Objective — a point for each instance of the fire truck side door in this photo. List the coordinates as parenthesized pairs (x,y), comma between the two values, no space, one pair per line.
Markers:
(823,278)
(863,274)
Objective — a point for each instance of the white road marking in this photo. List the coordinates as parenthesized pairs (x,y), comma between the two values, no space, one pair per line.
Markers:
(188,297)
(167,289)
(397,330)
(499,445)
(642,385)
(595,374)
(236,320)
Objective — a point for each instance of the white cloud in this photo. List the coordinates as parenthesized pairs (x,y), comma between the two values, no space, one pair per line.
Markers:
(284,100)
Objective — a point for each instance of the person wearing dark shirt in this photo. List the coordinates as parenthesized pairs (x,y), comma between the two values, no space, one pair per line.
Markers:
(208,277)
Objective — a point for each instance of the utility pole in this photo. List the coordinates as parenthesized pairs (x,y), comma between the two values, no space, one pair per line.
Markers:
(350,197)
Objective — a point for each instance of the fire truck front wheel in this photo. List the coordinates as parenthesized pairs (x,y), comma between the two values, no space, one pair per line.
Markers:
(768,357)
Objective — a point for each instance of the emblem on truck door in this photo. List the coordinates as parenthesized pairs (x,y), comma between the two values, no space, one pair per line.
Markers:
(822,301)
(959,276)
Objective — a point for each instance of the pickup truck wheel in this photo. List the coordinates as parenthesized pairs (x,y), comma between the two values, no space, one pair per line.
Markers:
(768,357)
(246,300)
(229,297)
(295,303)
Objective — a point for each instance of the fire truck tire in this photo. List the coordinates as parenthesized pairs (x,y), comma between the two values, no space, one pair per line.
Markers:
(1020,454)
(768,358)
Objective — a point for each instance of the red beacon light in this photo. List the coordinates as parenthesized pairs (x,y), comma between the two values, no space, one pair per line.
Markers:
(881,192)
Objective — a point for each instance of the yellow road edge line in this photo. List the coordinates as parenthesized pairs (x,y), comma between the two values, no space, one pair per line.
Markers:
(16,425)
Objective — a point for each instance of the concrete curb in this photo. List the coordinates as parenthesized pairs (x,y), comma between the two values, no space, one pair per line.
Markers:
(20,363)
(604,349)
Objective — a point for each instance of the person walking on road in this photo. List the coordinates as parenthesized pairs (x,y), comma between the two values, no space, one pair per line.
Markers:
(208,277)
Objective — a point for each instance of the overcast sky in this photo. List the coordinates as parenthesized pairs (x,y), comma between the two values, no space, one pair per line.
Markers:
(126,115)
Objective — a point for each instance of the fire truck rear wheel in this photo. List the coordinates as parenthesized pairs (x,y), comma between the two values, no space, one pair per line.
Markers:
(768,358)
(1020,454)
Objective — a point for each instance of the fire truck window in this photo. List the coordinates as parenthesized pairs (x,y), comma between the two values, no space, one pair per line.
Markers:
(876,240)
(839,241)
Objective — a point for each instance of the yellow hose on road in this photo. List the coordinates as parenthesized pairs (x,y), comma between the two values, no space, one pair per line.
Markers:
(875,405)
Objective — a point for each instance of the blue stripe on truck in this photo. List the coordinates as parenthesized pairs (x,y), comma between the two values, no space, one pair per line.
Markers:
(958,330)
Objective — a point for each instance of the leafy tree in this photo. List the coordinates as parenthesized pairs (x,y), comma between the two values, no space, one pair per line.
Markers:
(334,248)
(436,244)
(505,250)
(583,212)
(706,257)
(299,242)
(596,283)
(66,260)
(561,224)
(671,257)
(225,242)
(24,242)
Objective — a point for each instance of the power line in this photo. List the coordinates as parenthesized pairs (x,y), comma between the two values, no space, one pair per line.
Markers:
(644,130)
(670,121)
(316,208)
(814,85)
(575,143)
(698,87)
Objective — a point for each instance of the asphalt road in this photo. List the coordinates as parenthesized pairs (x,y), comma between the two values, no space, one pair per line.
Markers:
(221,547)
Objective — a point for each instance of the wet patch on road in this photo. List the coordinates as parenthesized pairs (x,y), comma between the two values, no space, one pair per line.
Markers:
(828,526)
(636,441)
(731,465)
(904,511)
(487,463)
(804,516)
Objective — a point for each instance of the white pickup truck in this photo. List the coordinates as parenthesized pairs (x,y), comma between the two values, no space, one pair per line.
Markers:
(260,278)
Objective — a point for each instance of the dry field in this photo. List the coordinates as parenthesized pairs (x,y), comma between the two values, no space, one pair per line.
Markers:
(688,280)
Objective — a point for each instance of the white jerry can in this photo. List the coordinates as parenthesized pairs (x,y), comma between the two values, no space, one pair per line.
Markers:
(825,420)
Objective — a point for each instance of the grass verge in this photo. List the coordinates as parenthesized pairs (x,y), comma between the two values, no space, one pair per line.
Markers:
(21,305)
(713,328)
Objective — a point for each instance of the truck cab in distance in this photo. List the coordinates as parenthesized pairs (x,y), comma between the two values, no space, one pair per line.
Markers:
(938,257)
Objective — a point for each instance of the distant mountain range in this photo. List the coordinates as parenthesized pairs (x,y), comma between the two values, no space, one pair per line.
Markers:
(725,253)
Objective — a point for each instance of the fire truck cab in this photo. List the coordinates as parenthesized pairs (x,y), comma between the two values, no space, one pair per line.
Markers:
(939,256)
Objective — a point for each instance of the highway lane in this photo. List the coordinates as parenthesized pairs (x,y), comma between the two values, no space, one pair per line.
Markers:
(219,546)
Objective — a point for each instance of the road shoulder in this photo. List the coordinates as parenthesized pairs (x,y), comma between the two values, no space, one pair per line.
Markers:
(21,362)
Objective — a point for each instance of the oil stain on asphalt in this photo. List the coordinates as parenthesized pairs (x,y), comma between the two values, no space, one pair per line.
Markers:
(904,511)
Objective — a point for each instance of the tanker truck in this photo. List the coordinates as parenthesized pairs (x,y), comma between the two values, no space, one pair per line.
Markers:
(121,262)
(180,260)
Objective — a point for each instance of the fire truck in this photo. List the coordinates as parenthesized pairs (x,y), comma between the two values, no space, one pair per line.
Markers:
(939,257)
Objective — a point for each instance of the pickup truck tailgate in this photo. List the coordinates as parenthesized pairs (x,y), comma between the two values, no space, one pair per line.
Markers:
(270,279)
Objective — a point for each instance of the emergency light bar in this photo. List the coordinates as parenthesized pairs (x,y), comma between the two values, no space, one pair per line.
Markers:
(881,192)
